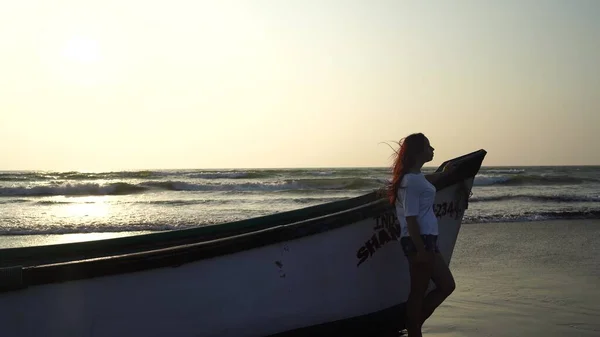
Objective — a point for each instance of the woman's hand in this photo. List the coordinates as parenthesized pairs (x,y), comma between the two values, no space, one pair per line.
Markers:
(450,168)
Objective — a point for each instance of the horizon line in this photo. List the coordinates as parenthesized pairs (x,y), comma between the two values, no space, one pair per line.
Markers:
(286,168)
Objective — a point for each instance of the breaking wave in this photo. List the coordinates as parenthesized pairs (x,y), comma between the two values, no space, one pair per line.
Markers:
(13,201)
(91,228)
(72,190)
(73,175)
(516,180)
(122,188)
(282,185)
(531,216)
(537,198)
(228,175)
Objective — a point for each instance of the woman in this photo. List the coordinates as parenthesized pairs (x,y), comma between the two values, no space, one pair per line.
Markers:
(413,195)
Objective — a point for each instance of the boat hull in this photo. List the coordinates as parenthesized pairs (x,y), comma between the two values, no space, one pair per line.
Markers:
(348,278)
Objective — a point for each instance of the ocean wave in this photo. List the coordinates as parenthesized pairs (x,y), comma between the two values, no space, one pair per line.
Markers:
(210,175)
(531,216)
(238,174)
(217,186)
(337,183)
(114,226)
(13,201)
(187,202)
(221,201)
(503,171)
(18,176)
(116,175)
(60,202)
(74,175)
(517,180)
(281,185)
(537,198)
(299,185)
(91,228)
(72,190)
(311,200)
(122,188)
(247,186)
(107,175)
(323,173)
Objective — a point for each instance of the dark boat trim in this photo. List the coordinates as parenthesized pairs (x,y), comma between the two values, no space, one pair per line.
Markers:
(467,167)
(182,254)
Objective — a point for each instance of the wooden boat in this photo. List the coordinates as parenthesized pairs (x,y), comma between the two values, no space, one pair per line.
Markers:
(337,273)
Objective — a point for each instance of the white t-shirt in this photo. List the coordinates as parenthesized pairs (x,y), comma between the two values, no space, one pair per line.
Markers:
(415,197)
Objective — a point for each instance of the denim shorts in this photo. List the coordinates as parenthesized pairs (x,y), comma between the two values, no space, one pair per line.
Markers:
(430,242)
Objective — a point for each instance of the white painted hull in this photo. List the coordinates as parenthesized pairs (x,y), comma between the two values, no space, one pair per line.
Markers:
(265,290)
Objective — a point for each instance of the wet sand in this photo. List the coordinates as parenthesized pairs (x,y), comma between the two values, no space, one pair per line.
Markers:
(523,279)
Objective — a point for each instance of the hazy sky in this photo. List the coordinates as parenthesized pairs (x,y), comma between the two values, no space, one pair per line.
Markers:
(111,85)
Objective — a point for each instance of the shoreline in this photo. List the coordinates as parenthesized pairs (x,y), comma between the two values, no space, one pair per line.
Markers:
(16,241)
(28,240)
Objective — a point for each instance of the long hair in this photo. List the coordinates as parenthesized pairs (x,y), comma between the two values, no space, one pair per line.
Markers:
(405,159)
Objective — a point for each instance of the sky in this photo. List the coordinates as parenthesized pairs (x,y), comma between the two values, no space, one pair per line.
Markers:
(118,85)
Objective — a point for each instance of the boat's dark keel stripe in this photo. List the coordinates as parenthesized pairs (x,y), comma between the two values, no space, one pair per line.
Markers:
(378,324)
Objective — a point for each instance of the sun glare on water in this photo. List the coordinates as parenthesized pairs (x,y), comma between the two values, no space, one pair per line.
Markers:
(87,207)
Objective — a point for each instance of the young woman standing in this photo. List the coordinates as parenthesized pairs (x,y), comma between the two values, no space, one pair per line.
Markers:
(413,195)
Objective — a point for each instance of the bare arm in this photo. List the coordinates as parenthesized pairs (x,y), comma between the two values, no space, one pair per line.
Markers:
(415,233)
(434,177)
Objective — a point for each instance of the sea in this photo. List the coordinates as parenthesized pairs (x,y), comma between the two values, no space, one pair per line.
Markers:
(47,202)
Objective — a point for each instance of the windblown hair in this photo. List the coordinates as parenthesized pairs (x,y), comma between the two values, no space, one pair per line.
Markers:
(405,159)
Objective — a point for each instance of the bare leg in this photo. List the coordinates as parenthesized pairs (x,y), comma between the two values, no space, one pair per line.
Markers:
(420,274)
(444,286)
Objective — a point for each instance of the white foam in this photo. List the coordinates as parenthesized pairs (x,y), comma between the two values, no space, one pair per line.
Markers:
(483,180)
(70,189)
(218,175)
